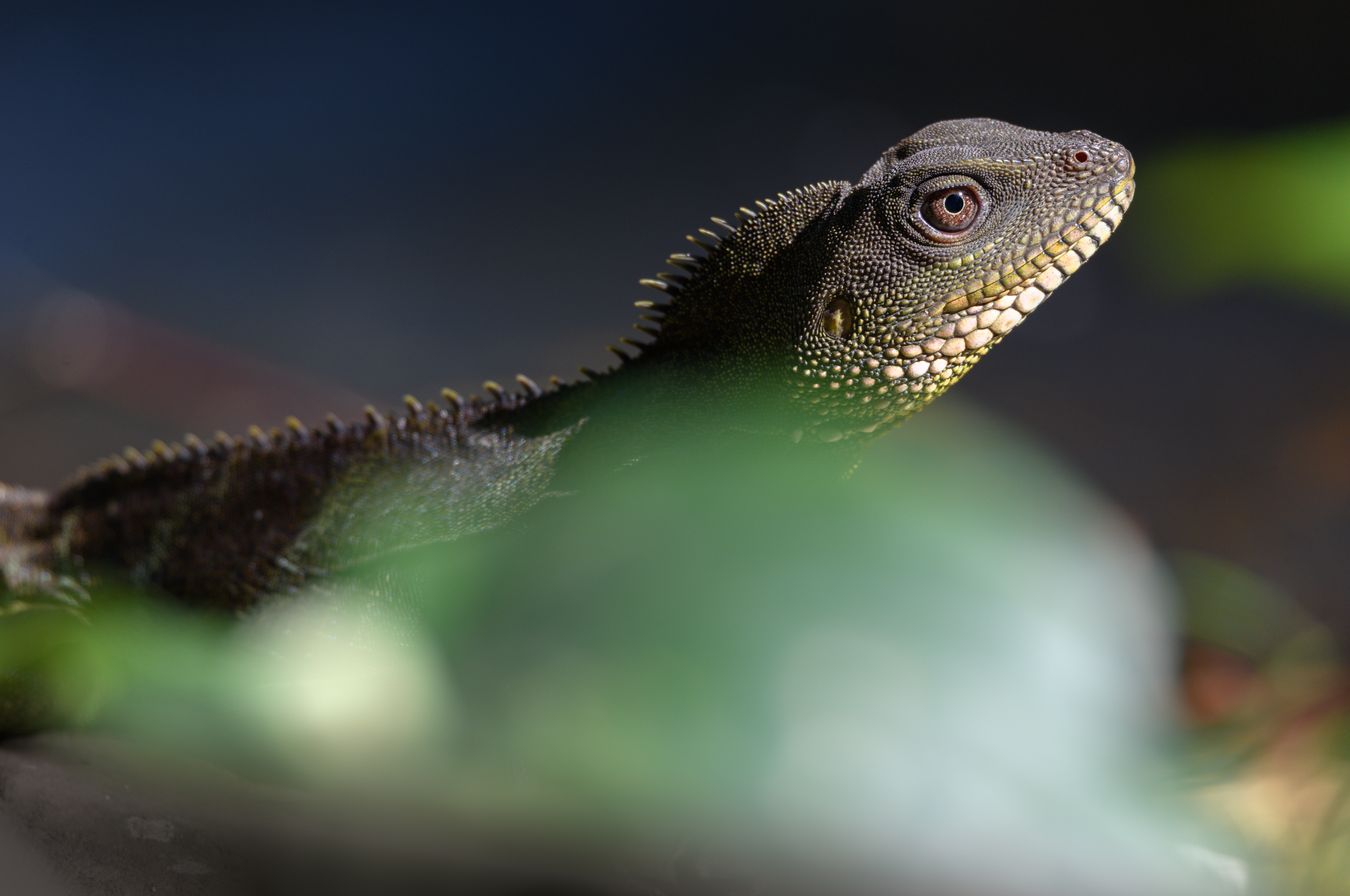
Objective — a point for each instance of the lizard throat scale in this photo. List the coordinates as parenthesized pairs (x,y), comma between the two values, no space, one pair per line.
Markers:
(825,315)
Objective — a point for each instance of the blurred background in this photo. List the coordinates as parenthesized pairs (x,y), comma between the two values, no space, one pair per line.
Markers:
(210,219)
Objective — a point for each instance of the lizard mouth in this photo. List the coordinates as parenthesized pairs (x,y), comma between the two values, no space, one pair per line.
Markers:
(979,314)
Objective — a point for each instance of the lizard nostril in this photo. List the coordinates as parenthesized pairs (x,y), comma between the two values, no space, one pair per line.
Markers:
(1081,157)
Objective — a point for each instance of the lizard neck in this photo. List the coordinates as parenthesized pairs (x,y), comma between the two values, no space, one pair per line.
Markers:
(663,408)
(720,336)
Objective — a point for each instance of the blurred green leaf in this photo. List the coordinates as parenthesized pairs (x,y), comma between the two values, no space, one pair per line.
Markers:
(1273,208)
(1231,607)
(959,644)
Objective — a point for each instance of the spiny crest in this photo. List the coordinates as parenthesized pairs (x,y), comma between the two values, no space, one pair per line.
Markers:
(415,419)
(672,282)
(418,418)
(20,509)
(14,496)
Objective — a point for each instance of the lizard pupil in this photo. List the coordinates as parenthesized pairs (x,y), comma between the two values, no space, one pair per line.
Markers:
(951,211)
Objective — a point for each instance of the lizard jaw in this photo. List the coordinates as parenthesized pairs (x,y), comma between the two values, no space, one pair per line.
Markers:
(974,320)
(977,317)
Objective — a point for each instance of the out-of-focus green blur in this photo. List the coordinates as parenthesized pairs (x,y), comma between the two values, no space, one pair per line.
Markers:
(1273,209)
(957,646)
(1264,683)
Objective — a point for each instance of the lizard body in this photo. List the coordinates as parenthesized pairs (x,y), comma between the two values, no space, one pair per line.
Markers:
(820,319)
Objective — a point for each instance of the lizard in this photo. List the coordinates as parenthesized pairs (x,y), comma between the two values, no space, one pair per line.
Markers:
(819,319)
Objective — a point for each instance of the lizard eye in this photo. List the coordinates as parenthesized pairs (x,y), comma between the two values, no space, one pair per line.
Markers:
(951,211)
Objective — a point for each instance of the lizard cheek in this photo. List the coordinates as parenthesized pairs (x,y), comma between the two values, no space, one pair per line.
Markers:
(837,318)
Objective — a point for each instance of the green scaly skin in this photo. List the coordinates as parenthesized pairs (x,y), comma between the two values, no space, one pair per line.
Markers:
(822,318)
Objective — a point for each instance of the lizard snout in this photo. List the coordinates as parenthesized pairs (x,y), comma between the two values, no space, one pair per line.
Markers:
(1092,154)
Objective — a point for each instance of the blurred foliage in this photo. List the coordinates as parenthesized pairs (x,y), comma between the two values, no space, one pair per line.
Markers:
(957,648)
(1272,208)
(1269,704)
(1264,685)
(1230,607)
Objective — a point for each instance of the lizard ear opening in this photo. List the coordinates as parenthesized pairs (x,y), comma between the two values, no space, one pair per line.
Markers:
(837,318)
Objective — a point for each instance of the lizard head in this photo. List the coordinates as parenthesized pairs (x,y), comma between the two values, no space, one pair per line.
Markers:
(871,299)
